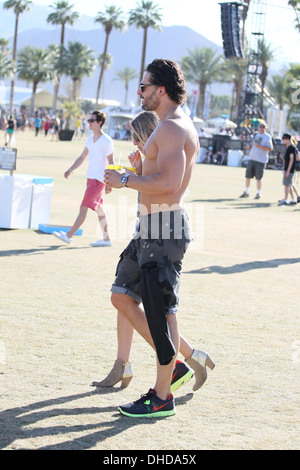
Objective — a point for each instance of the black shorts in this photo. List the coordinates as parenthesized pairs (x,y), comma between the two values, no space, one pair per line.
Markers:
(166,250)
(255,169)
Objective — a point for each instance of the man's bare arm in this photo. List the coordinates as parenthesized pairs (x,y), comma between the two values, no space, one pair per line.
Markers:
(77,162)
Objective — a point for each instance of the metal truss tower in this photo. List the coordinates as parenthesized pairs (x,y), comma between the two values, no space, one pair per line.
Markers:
(252,97)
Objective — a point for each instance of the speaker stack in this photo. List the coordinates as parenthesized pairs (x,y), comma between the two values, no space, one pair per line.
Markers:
(230,21)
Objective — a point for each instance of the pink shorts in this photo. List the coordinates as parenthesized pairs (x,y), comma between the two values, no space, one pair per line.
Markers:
(93,195)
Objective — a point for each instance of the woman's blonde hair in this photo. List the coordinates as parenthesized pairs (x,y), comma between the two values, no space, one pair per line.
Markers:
(144,124)
(291,138)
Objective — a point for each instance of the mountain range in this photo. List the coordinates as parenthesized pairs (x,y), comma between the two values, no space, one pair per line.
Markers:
(173,42)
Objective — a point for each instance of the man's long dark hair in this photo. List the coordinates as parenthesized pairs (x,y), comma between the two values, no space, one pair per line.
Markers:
(168,74)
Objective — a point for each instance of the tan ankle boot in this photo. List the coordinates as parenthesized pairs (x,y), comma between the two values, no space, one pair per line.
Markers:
(121,371)
(198,362)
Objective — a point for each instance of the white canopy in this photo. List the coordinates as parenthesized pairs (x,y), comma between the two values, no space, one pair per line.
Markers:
(222,122)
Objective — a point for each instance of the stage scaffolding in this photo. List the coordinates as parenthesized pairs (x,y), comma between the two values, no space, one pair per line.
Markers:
(251,100)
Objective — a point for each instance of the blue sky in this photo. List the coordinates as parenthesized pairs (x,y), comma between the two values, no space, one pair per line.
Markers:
(203,16)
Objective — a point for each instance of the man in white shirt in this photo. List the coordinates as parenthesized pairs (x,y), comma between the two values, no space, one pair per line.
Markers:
(99,147)
(258,157)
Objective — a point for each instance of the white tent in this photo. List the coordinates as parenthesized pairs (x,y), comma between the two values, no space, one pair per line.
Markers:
(117,120)
(198,123)
(222,122)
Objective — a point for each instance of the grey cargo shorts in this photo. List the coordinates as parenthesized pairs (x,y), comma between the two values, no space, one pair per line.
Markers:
(162,238)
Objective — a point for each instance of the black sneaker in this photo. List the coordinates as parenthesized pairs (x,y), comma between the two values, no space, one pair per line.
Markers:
(149,406)
(181,375)
(244,194)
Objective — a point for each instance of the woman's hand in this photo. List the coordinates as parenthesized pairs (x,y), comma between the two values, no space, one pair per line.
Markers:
(136,161)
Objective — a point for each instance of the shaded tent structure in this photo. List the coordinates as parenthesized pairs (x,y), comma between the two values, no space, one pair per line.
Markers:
(43,99)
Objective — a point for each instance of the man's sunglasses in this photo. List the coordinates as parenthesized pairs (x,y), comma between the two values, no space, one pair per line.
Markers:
(144,85)
(91,120)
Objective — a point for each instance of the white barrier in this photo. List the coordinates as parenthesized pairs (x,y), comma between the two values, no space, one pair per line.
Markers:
(24,201)
(234,158)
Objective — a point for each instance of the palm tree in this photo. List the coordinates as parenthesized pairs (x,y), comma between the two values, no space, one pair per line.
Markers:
(107,64)
(279,88)
(244,14)
(294,71)
(145,16)
(126,75)
(62,15)
(202,67)
(111,18)
(55,61)
(78,61)
(296,5)
(293,74)
(6,68)
(19,6)
(235,71)
(266,55)
(220,104)
(4,45)
(33,65)
(70,111)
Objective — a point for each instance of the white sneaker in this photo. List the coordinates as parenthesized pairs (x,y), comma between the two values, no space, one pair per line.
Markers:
(101,243)
(62,236)
(282,202)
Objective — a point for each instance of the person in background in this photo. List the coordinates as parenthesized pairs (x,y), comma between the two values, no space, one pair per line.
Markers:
(77,126)
(258,157)
(38,123)
(9,133)
(288,169)
(82,126)
(46,125)
(99,147)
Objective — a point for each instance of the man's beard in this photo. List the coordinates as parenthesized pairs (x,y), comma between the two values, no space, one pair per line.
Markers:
(151,104)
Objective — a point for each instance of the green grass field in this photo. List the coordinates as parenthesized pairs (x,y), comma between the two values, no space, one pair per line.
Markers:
(239,301)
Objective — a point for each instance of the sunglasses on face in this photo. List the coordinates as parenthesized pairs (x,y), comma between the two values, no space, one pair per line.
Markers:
(144,85)
(262,127)
(91,120)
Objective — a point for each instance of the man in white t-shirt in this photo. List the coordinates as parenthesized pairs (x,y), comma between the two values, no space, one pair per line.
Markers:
(258,157)
(99,147)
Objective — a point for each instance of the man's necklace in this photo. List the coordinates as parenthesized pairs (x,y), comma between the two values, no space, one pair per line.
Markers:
(170,109)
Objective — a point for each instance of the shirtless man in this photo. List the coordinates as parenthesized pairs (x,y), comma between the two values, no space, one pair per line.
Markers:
(152,261)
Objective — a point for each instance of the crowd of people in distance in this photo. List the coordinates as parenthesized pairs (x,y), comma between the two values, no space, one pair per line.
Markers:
(41,123)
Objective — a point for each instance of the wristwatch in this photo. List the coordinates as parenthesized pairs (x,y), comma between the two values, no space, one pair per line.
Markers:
(124,179)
